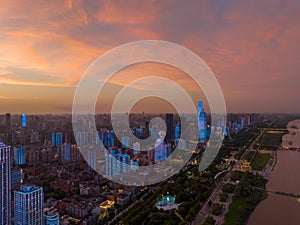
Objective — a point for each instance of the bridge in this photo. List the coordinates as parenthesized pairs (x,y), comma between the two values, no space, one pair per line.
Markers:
(280,193)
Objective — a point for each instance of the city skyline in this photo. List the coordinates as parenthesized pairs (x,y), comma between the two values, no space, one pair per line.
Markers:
(252,47)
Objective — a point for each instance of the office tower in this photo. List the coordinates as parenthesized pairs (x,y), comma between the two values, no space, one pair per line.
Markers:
(8,122)
(65,152)
(177,131)
(104,138)
(110,139)
(160,149)
(5,185)
(201,122)
(16,176)
(125,160)
(51,216)
(56,139)
(19,155)
(169,122)
(112,162)
(23,120)
(136,148)
(29,206)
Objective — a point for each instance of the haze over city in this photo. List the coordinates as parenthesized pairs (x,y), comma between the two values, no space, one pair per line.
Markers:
(251,46)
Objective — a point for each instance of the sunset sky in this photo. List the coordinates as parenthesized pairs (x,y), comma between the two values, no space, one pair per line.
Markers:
(253,48)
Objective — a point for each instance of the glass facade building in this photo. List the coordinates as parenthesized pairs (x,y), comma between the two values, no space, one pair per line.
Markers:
(202,126)
(5,185)
(160,149)
(19,155)
(112,162)
(29,206)
(56,139)
(23,120)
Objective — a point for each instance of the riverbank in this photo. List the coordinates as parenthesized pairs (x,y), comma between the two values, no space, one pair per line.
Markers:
(275,209)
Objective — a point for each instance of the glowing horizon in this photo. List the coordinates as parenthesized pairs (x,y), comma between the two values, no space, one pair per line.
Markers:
(252,47)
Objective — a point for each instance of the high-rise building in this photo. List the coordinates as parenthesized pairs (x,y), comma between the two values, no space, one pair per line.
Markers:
(56,139)
(112,162)
(202,122)
(92,158)
(125,160)
(5,185)
(65,151)
(160,149)
(8,122)
(51,216)
(169,122)
(23,120)
(19,155)
(29,206)
(177,131)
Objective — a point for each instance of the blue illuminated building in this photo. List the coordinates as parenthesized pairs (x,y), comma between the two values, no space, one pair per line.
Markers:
(202,122)
(139,132)
(66,152)
(177,131)
(110,139)
(56,139)
(19,155)
(51,217)
(112,162)
(242,122)
(125,160)
(29,206)
(134,164)
(160,149)
(23,120)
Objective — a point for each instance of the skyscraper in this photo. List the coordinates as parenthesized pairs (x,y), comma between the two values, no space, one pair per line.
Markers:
(202,123)
(56,139)
(177,131)
(8,122)
(169,122)
(5,185)
(29,206)
(92,159)
(65,152)
(19,155)
(125,160)
(23,120)
(112,162)
(160,149)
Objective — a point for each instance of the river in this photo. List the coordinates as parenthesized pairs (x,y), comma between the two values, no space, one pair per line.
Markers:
(278,209)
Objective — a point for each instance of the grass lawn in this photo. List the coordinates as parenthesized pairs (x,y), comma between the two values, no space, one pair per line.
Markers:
(260,161)
(271,139)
